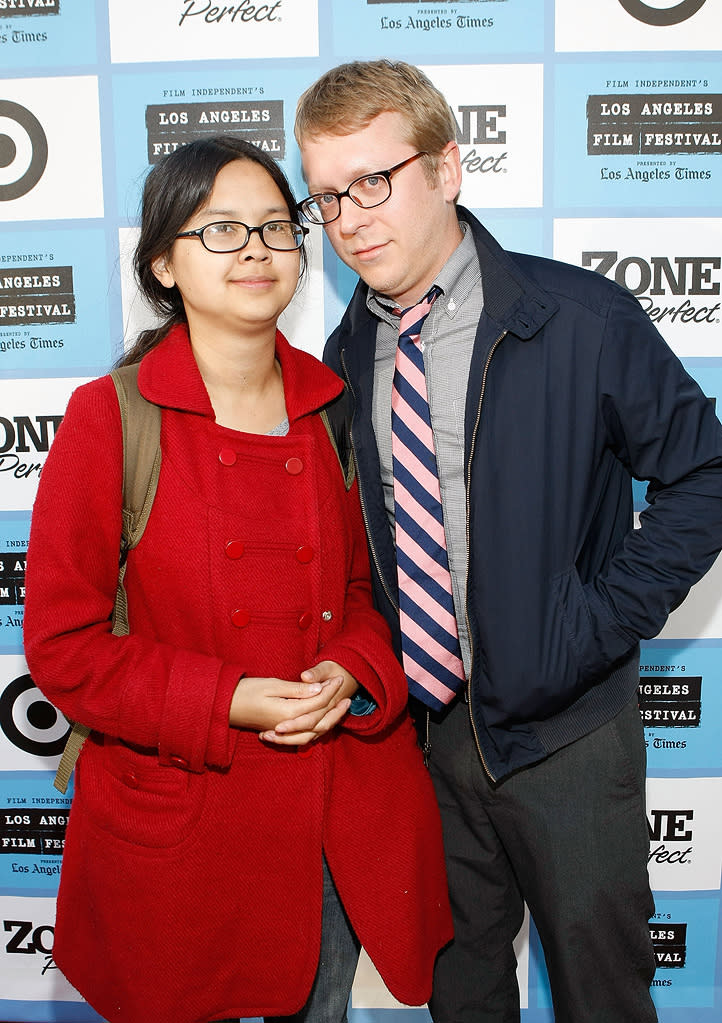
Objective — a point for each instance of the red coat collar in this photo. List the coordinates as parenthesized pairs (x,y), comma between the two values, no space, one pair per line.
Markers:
(169,377)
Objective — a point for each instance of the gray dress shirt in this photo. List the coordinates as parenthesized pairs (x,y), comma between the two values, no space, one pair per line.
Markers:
(447,339)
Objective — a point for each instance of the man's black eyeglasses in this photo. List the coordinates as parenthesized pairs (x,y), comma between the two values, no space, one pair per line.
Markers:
(367,191)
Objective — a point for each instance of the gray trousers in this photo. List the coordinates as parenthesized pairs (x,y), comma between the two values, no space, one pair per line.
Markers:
(568,836)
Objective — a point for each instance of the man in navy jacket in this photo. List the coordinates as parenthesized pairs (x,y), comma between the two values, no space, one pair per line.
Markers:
(549,389)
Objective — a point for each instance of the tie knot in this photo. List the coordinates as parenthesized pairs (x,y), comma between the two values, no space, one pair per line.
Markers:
(427,301)
(411,320)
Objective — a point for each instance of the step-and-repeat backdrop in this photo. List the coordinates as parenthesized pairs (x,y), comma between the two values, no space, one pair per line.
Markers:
(590,130)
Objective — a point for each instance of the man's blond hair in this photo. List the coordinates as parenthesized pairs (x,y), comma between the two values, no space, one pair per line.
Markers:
(347,98)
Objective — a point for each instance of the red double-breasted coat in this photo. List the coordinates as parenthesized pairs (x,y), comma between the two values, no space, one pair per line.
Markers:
(191,879)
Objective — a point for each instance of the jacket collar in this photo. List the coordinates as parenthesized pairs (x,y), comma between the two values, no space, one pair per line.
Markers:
(511,298)
(169,377)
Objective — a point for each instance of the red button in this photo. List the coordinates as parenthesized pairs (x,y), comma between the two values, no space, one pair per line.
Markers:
(305,751)
(227,456)
(305,620)
(240,617)
(179,762)
(131,779)
(235,549)
(294,466)
(304,554)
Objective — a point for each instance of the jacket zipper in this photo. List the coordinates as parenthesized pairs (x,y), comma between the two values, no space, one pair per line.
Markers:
(377,565)
(468,547)
(364,511)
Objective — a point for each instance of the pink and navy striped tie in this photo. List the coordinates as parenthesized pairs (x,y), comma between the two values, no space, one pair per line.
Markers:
(429,634)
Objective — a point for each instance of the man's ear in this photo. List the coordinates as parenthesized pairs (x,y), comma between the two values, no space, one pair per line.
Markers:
(162,270)
(450,171)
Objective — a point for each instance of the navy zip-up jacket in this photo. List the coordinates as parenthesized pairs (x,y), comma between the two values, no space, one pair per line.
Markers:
(572,392)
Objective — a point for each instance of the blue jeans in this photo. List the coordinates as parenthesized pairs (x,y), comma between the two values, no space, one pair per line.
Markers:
(328,1001)
(568,836)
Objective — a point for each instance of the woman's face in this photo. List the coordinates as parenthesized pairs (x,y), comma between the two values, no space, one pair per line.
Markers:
(242,291)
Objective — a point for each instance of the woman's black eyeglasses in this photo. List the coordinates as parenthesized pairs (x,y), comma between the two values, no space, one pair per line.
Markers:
(232,235)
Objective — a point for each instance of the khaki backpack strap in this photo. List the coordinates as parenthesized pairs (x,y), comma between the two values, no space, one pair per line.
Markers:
(336,417)
(73,745)
(141,468)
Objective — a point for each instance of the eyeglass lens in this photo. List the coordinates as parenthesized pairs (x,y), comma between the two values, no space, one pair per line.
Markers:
(367,192)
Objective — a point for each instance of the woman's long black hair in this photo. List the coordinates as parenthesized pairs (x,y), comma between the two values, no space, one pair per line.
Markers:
(174,190)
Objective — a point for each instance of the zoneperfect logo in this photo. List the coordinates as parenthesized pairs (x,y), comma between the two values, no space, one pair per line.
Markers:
(669,941)
(482,124)
(670,836)
(654,124)
(22,438)
(682,289)
(26,937)
(245,11)
(651,14)
(259,122)
(31,296)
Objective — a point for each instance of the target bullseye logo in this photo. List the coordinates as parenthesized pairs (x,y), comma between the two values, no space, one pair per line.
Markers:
(662,16)
(23,150)
(29,721)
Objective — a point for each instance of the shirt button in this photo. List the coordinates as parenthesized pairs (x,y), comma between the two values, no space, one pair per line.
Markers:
(131,779)
(305,620)
(235,549)
(240,617)
(294,466)
(227,456)
(179,762)
(304,554)
(327,615)
(305,751)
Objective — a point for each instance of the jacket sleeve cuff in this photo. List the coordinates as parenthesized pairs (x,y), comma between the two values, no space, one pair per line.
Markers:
(387,699)
(195,732)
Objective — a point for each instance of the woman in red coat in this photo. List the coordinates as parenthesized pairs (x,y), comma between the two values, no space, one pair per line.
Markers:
(251,763)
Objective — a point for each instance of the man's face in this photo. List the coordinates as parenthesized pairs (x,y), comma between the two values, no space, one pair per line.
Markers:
(400,246)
